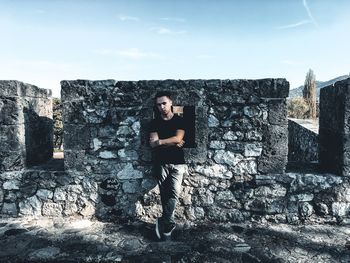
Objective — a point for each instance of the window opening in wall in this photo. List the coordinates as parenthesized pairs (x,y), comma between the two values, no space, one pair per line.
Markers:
(57,129)
(189,116)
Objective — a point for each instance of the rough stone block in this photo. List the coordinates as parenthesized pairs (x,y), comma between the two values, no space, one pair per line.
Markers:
(277,111)
(51,209)
(76,137)
(334,116)
(9,88)
(12,161)
(273,88)
(12,138)
(9,209)
(11,111)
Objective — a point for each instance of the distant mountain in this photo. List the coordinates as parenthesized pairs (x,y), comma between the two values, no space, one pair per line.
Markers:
(298,92)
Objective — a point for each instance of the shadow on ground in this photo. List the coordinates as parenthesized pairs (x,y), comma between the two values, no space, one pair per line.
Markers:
(74,240)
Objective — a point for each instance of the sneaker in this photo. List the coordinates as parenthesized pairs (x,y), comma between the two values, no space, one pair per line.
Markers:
(159,227)
(168,229)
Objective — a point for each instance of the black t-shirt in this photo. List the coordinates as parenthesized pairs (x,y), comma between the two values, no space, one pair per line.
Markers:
(167,129)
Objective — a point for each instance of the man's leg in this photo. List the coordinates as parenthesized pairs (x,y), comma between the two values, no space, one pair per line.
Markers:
(161,172)
(172,190)
(169,177)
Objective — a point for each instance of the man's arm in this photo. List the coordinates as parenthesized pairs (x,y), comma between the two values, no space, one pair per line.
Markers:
(153,138)
(174,140)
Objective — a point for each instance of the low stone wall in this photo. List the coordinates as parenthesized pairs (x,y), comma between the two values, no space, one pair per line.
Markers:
(288,198)
(302,143)
(26,126)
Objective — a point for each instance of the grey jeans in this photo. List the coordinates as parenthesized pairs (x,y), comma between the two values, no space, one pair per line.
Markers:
(169,177)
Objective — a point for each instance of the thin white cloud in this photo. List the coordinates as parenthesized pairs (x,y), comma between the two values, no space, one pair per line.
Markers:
(175,19)
(167,31)
(311,19)
(303,22)
(309,13)
(131,53)
(128,18)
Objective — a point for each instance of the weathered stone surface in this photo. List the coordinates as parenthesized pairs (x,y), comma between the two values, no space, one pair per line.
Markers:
(302,143)
(51,209)
(131,187)
(128,172)
(108,155)
(273,88)
(212,171)
(229,158)
(270,191)
(334,128)
(226,199)
(11,185)
(213,121)
(44,194)
(302,197)
(217,145)
(314,182)
(195,213)
(9,209)
(59,194)
(305,209)
(340,209)
(31,206)
(76,137)
(70,209)
(245,167)
(128,155)
(252,150)
(45,254)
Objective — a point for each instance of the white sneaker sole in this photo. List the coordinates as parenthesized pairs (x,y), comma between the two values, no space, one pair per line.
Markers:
(169,233)
(157,229)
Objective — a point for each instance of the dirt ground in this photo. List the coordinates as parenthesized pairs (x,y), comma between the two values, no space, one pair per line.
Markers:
(77,240)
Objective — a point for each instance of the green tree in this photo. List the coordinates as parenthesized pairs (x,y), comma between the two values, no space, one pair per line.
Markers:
(309,94)
(57,124)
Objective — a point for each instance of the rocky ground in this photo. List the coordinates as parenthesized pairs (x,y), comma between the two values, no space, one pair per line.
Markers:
(76,240)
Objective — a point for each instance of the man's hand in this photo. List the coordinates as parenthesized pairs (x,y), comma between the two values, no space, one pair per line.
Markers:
(153,143)
(180,144)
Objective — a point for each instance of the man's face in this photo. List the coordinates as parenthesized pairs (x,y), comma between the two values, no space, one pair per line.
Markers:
(164,105)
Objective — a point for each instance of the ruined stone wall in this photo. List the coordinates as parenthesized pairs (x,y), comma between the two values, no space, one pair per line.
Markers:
(302,143)
(25,125)
(236,171)
(241,132)
(26,131)
(335,128)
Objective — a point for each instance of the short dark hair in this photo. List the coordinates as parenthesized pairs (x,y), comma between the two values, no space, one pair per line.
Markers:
(162,94)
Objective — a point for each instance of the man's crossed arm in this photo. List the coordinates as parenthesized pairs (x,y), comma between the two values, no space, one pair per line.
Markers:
(177,140)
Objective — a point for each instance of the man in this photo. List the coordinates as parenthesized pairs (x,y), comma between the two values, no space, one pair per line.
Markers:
(166,138)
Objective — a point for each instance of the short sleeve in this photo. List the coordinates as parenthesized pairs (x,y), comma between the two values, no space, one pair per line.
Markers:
(153,127)
(180,125)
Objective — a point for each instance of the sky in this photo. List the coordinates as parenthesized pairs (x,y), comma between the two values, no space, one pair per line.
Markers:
(45,41)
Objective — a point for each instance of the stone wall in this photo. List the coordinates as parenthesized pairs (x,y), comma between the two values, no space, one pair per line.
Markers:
(335,128)
(236,171)
(25,125)
(302,143)
(241,132)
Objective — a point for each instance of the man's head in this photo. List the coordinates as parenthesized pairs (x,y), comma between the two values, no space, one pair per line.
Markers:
(163,102)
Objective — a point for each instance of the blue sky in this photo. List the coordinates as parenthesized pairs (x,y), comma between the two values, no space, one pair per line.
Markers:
(43,42)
